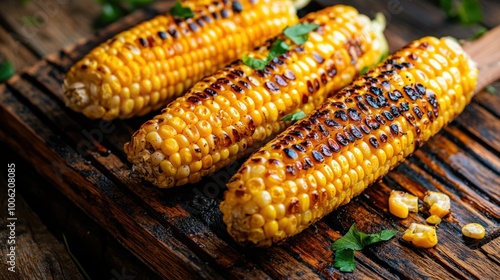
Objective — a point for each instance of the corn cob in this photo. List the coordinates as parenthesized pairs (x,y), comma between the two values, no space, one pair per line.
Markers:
(351,141)
(143,68)
(223,116)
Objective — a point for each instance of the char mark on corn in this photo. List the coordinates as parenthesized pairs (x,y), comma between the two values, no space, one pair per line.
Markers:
(373,124)
(141,69)
(226,115)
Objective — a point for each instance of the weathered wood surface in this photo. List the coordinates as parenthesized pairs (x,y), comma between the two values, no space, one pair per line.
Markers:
(179,233)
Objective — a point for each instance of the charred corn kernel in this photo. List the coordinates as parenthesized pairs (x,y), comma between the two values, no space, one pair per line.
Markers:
(439,203)
(158,59)
(473,230)
(345,137)
(433,219)
(421,235)
(217,99)
(401,203)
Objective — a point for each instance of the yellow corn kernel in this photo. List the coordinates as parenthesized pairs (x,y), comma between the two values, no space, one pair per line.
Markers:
(421,235)
(473,230)
(156,65)
(237,108)
(439,203)
(401,203)
(433,219)
(360,133)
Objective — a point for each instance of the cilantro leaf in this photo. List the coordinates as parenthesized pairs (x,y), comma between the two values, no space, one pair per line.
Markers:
(364,70)
(255,63)
(356,240)
(298,33)
(294,117)
(344,260)
(469,12)
(6,69)
(181,12)
(278,48)
(491,89)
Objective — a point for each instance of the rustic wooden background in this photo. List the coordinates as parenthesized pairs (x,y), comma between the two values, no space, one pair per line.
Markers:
(119,228)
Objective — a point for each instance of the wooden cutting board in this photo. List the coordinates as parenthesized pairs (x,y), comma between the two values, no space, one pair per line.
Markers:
(179,232)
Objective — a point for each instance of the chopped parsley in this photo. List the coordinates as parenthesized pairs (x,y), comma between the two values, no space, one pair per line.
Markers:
(278,48)
(298,33)
(294,117)
(181,12)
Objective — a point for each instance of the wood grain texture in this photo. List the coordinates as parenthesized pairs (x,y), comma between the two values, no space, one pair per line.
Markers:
(179,233)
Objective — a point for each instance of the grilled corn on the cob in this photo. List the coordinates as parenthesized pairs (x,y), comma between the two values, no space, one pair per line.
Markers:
(224,115)
(143,68)
(349,142)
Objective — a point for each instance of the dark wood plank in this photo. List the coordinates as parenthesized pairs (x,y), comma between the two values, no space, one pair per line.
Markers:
(43,259)
(482,125)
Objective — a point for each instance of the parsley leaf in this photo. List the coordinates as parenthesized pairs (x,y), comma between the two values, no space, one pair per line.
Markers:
(278,48)
(6,69)
(364,70)
(181,12)
(344,260)
(465,11)
(355,240)
(255,63)
(294,117)
(491,89)
(298,33)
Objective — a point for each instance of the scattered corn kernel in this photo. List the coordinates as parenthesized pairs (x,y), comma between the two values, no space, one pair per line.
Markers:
(421,235)
(401,203)
(439,203)
(433,219)
(154,61)
(473,230)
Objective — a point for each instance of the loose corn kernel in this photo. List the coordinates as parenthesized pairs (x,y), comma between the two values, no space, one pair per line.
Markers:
(157,59)
(401,203)
(421,235)
(473,230)
(439,203)
(360,133)
(238,108)
(433,219)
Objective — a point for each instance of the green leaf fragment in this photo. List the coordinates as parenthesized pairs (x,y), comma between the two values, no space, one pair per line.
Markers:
(6,69)
(294,117)
(298,33)
(364,70)
(344,260)
(181,12)
(278,48)
(491,89)
(469,12)
(255,63)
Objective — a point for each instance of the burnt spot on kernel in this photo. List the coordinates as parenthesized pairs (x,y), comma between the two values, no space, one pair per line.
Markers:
(217,86)
(299,148)
(290,153)
(413,56)
(386,84)
(280,81)
(162,35)
(420,88)
(291,170)
(236,88)
(339,105)
(394,129)
(374,142)
(379,119)
(318,156)
(308,163)
(411,92)
(333,145)
(318,57)
(174,33)
(272,86)
(224,13)
(210,92)
(297,134)
(356,132)
(289,75)
(431,97)
(411,119)
(418,112)
(310,87)
(340,114)
(404,106)
(383,137)
(193,27)
(371,101)
(395,110)
(323,130)
(332,71)
(332,123)
(376,90)
(244,84)
(341,139)
(349,136)
(371,123)
(325,150)
(365,129)
(143,42)
(354,114)
(363,107)
(395,95)
(237,7)
(388,116)
(294,206)
(194,100)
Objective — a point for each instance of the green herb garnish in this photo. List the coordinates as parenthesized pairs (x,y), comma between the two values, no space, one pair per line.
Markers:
(479,33)
(491,89)
(31,21)
(181,12)
(278,48)
(298,33)
(465,11)
(6,69)
(364,70)
(294,117)
(354,240)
